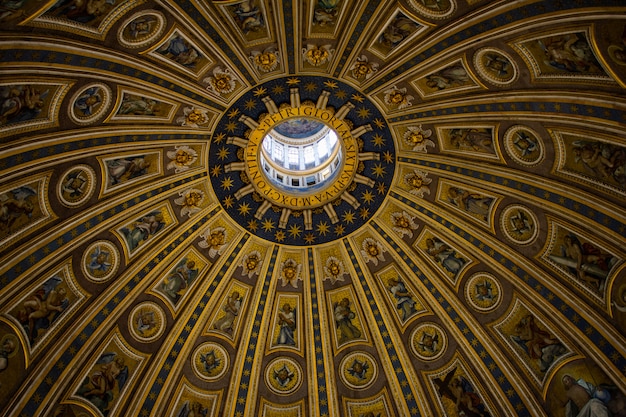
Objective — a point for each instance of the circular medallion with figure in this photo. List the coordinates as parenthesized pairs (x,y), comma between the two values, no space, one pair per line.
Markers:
(210,361)
(141,29)
(483,292)
(519,224)
(77,185)
(428,341)
(90,103)
(100,261)
(146,322)
(358,370)
(283,375)
(302,160)
(523,145)
(495,66)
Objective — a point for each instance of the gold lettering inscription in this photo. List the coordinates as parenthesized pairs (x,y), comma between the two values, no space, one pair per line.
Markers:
(319,198)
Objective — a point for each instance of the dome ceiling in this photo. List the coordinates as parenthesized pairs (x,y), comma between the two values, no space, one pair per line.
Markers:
(466,258)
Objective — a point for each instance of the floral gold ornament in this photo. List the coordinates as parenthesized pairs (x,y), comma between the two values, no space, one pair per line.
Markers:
(193,117)
(317,55)
(215,240)
(190,201)
(290,272)
(372,250)
(418,182)
(418,138)
(334,270)
(251,263)
(362,68)
(403,223)
(181,158)
(222,81)
(398,98)
(266,60)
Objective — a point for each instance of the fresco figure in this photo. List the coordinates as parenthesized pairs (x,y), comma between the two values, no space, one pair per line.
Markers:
(142,229)
(146,321)
(570,53)
(16,206)
(283,376)
(586,261)
(82,11)
(75,185)
(326,12)
(525,144)
(453,76)
(100,260)
(429,343)
(484,291)
(20,103)
(469,202)
(474,140)
(8,347)
(231,308)
(99,387)
(287,323)
(460,392)
(88,102)
(585,399)
(520,222)
(346,330)
(358,369)
(601,160)
(195,409)
(248,17)
(399,29)
(142,26)
(181,51)
(210,361)
(498,64)
(40,309)
(404,300)
(124,169)
(138,106)
(176,284)
(444,255)
(539,344)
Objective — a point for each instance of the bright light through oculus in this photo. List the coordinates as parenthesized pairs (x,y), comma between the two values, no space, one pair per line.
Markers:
(300,153)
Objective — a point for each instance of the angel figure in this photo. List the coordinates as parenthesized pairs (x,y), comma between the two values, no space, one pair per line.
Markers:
(210,361)
(41,308)
(193,409)
(181,158)
(358,369)
(429,343)
(99,388)
(14,205)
